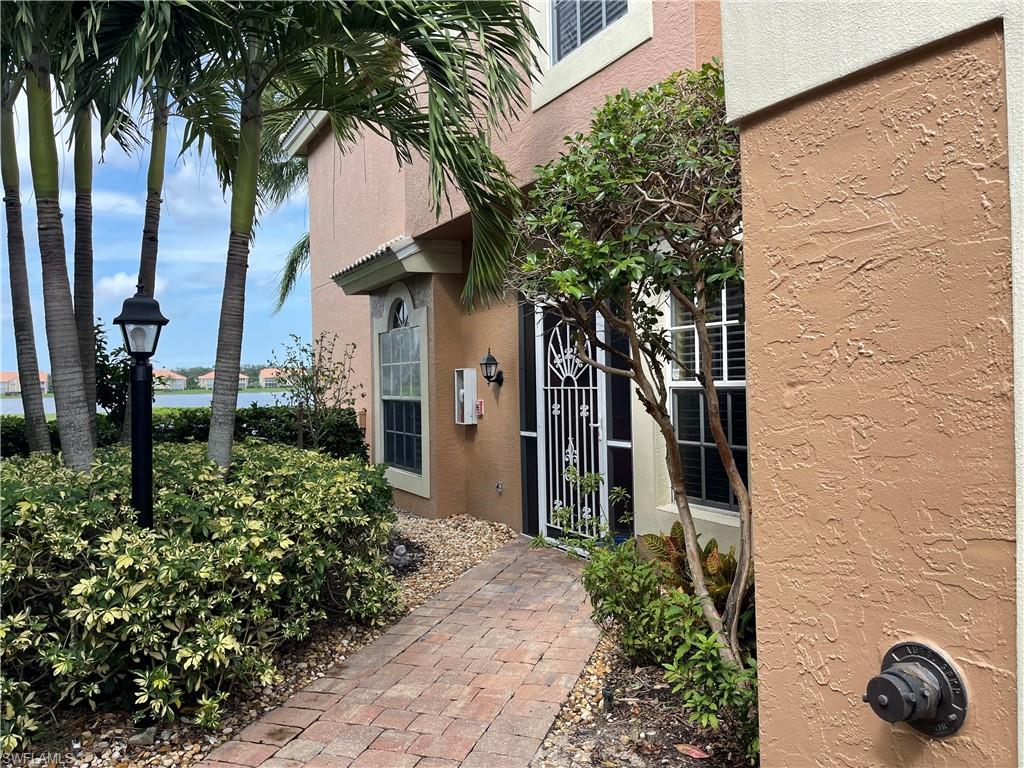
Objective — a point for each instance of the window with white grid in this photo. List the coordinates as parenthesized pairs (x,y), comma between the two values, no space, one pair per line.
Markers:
(576,21)
(706,481)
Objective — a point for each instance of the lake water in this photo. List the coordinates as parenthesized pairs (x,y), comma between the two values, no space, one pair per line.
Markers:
(12,405)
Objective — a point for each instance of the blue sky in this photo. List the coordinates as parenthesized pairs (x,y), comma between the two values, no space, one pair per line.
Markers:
(190,267)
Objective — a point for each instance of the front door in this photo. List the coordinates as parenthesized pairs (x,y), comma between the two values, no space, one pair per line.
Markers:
(570,435)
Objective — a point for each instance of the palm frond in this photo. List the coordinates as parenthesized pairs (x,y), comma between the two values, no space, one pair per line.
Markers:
(296,261)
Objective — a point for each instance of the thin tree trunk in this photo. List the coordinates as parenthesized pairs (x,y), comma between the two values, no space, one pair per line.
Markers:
(84,315)
(744,561)
(151,223)
(73,422)
(154,191)
(21,301)
(232,308)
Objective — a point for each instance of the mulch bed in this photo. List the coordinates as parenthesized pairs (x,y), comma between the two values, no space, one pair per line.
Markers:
(645,726)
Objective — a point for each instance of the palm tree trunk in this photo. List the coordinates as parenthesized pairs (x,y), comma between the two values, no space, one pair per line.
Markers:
(21,301)
(151,224)
(84,317)
(232,308)
(73,422)
(154,190)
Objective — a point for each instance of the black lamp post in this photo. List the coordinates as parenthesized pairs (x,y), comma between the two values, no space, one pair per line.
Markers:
(140,322)
(489,368)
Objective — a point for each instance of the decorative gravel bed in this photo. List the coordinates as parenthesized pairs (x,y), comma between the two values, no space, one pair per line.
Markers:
(437,553)
(645,727)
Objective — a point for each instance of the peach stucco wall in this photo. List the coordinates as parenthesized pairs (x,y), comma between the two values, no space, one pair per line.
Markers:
(356,202)
(360,198)
(686,34)
(877,252)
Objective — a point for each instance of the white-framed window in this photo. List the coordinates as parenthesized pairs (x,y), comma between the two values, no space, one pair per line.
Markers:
(575,22)
(706,481)
(401,391)
(582,37)
(402,415)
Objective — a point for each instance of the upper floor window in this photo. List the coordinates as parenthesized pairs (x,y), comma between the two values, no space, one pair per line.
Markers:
(706,481)
(400,391)
(576,21)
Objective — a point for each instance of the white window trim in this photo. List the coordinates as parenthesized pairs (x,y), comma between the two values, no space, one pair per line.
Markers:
(700,509)
(401,479)
(611,43)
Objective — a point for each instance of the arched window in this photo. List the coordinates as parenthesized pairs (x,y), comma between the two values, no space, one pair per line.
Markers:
(400,389)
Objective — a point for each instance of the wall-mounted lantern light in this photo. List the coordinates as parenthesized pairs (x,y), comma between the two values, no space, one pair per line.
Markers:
(489,368)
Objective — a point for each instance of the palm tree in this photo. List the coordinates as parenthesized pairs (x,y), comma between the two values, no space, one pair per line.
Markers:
(83,295)
(38,29)
(21,301)
(430,75)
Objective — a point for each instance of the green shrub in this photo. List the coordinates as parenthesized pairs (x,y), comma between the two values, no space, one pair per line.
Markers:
(658,622)
(98,610)
(275,423)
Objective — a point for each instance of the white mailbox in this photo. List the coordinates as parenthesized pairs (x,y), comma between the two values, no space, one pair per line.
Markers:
(465,396)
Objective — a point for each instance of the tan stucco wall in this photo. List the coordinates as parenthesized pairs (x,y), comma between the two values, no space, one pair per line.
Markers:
(877,252)
(356,202)
(361,199)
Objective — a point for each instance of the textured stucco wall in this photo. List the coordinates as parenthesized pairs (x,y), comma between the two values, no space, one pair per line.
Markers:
(536,136)
(880,380)
(360,199)
(356,202)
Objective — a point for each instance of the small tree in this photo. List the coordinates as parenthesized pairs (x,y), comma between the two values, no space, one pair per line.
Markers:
(643,207)
(320,385)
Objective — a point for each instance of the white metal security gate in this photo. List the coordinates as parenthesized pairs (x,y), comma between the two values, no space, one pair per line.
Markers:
(570,404)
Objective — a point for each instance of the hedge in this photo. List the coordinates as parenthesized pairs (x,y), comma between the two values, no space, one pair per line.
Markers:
(169,620)
(275,423)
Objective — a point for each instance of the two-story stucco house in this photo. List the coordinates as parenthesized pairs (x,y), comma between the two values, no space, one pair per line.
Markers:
(387,275)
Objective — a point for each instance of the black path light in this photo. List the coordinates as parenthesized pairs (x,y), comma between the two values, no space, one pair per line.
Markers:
(489,368)
(141,322)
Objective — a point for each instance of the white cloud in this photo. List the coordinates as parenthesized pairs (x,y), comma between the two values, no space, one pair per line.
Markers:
(117,203)
(113,289)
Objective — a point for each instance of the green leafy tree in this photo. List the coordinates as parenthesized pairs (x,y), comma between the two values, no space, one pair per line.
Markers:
(646,206)
(430,76)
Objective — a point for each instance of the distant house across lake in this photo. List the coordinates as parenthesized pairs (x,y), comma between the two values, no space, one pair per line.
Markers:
(269,377)
(10,384)
(165,378)
(206,380)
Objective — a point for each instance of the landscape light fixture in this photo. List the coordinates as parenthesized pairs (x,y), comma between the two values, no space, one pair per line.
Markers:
(489,368)
(141,322)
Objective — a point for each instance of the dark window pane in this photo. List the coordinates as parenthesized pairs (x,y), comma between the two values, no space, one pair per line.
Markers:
(615,9)
(620,475)
(739,417)
(688,414)
(566,39)
(716,482)
(740,457)
(737,353)
(527,369)
(591,18)
(692,470)
(734,301)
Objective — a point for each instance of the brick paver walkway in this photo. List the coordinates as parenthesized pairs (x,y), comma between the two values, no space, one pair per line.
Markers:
(474,678)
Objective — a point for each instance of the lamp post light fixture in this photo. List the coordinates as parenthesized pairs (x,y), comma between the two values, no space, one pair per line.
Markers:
(489,368)
(140,321)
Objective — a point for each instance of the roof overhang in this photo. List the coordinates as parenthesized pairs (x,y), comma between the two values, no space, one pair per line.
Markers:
(296,140)
(396,259)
